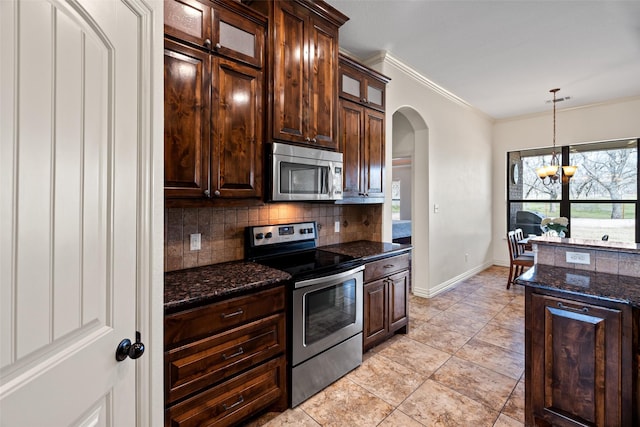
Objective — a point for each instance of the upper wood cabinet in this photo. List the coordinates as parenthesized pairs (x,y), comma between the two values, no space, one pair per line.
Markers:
(361,132)
(361,84)
(221,27)
(214,103)
(304,71)
(236,166)
(187,112)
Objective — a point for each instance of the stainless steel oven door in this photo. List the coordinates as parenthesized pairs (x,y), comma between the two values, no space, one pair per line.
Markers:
(326,311)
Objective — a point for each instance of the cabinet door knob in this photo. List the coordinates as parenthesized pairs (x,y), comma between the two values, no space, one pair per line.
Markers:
(314,140)
(216,193)
(307,139)
(207,193)
(218,46)
(207,44)
(364,100)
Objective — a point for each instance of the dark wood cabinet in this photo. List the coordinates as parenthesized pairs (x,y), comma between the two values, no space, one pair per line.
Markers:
(361,136)
(304,71)
(187,111)
(225,28)
(361,84)
(362,144)
(579,361)
(236,160)
(386,289)
(226,361)
(214,103)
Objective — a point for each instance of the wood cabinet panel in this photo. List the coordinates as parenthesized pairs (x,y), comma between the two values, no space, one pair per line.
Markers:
(188,20)
(398,293)
(210,319)
(323,86)
(362,142)
(214,103)
(304,66)
(237,155)
(375,314)
(386,290)
(385,267)
(579,362)
(210,360)
(361,84)
(290,81)
(186,120)
(234,400)
(373,152)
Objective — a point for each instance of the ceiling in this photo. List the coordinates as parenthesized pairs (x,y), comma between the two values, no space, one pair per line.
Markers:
(503,57)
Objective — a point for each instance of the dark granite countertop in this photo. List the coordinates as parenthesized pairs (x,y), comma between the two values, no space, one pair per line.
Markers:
(200,285)
(367,250)
(633,248)
(611,287)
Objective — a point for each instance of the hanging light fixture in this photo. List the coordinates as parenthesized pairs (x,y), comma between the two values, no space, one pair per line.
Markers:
(552,172)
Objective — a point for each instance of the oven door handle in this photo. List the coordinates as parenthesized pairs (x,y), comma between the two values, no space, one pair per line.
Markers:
(329,278)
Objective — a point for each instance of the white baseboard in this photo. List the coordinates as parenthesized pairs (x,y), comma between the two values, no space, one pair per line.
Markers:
(432,292)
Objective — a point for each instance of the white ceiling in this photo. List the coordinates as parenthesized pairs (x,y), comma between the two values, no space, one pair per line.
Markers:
(503,57)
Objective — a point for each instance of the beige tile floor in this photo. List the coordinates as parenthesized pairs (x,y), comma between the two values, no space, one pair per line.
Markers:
(461,364)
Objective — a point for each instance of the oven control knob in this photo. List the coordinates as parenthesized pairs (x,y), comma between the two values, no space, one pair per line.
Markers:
(259,236)
(268,235)
(310,230)
(303,231)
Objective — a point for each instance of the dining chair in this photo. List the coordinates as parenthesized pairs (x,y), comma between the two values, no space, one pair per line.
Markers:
(522,248)
(517,261)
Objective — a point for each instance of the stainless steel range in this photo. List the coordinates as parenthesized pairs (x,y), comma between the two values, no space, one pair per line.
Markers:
(325,304)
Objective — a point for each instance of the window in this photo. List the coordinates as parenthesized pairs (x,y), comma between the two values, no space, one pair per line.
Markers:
(395,200)
(601,199)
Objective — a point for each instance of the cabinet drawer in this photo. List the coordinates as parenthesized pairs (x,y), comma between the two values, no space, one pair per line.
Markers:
(190,325)
(233,400)
(384,267)
(211,360)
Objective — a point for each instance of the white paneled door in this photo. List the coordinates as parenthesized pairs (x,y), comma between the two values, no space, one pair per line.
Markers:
(75,218)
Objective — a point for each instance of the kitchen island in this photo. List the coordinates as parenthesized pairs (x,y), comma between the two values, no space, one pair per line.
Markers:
(582,306)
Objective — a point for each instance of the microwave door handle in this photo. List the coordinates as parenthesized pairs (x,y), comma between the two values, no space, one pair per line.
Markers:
(330,175)
(323,180)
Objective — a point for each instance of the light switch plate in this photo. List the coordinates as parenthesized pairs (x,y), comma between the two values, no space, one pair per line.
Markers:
(336,227)
(578,258)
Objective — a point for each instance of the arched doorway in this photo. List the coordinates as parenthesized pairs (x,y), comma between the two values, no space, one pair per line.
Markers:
(410,153)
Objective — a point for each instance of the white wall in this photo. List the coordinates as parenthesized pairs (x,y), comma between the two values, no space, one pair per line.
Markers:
(611,120)
(452,168)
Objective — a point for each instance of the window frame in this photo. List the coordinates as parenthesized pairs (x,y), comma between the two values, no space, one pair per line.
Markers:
(565,202)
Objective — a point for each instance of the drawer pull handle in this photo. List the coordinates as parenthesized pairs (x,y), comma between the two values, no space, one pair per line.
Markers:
(388,265)
(238,402)
(231,356)
(566,307)
(235,313)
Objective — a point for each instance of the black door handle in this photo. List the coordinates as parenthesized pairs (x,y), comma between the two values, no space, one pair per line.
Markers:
(127,349)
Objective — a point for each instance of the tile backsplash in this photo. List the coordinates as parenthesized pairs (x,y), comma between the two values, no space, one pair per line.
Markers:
(222,229)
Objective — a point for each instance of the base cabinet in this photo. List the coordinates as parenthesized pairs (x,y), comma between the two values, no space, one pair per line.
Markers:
(579,361)
(386,290)
(226,361)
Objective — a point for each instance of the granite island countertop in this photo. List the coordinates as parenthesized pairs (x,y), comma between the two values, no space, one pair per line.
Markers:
(197,286)
(368,250)
(606,286)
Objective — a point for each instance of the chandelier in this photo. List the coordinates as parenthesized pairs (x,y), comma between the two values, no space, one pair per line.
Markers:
(551,174)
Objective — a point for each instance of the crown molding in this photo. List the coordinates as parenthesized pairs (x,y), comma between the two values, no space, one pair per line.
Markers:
(387,58)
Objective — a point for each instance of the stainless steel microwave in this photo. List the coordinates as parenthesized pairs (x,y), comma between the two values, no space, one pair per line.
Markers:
(305,174)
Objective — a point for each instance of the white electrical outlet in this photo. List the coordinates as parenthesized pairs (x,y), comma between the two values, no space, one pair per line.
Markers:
(578,258)
(336,227)
(436,208)
(195,242)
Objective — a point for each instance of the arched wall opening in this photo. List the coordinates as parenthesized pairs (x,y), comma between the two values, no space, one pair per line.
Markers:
(410,142)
